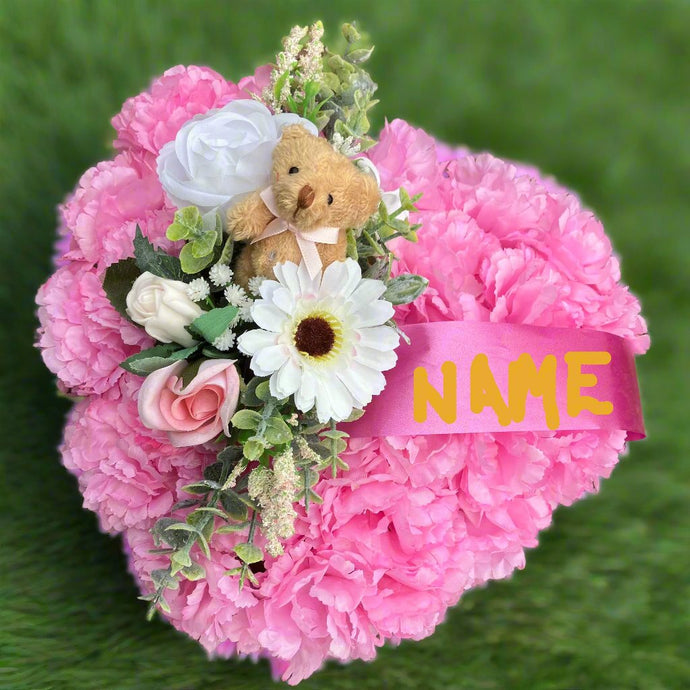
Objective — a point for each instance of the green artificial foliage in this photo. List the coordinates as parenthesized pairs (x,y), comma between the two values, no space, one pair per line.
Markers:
(592,92)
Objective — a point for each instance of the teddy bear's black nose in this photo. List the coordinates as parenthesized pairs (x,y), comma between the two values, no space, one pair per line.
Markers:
(305,198)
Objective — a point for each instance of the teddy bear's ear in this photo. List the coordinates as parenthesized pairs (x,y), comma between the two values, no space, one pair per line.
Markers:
(294,132)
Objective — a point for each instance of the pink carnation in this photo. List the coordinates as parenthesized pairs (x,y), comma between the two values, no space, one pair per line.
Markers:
(111,199)
(129,475)
(445,153)
(153,118)
(82,338)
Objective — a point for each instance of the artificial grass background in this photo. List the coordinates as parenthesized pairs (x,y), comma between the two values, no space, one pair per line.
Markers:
(593,92)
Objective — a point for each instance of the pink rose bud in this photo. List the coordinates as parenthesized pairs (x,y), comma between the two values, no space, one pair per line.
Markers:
(195,413)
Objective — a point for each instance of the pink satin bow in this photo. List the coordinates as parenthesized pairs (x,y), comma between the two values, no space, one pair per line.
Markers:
(305,242)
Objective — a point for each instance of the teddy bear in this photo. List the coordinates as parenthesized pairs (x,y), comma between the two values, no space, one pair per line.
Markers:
(316,194)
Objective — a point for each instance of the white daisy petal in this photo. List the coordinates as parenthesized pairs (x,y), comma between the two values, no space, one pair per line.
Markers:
(379,338)
(270,359)
(373,314)
(340,397)
(286,274)
(304,396)
(283,299)
(267,316)
(375,359)
(367,291)
(251,341)
(376,381)
(324,411)
(333,279)
(308,286)
(354,275)
(267,288)
(258,370)
(359,387)
(286,380)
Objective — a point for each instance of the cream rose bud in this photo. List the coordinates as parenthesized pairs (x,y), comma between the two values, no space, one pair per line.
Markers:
(219,156)
(163,308)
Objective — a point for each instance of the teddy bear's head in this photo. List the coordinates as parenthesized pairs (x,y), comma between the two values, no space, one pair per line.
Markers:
(315,186)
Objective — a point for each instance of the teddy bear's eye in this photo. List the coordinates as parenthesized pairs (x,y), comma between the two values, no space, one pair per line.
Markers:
(330,199)
(293,170)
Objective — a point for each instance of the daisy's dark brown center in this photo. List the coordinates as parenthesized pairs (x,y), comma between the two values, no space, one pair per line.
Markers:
(315,336)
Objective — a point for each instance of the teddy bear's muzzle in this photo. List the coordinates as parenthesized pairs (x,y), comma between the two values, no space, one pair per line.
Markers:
(305,198)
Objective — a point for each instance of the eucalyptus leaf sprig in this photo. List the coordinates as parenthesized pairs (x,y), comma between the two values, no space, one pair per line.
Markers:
(369,246)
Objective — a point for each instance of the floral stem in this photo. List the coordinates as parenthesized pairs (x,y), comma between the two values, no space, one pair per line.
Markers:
(250,540)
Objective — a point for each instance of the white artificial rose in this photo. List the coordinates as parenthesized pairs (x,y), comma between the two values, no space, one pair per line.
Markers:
(163,308)
(391,199)
(219,156)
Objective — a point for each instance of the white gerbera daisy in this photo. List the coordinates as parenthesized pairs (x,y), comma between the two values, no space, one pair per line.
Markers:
(322,340)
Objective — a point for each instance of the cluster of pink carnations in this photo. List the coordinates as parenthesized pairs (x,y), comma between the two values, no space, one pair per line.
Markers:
(416,521)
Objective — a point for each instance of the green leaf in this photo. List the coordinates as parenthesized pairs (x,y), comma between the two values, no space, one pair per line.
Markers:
(277,431)
(148,258)
(334,434)
(213,323)
(352,252)
(249,553)
(246,419)
(180,559)
(193,572)
(230,454)
(280,83)
(249,396)
(263,391)
(212,511)
(182,527)
(161,577)
(204,245)
(118,281)
(191,264)
(236,508)
(350,33)
(213,353)
(157,357)
(203,545)
(190,371)
(175,539)
(253,449)
(405,288)
(186,225)
(244,498)
(202,522)
(355,415)
(198,489)
(232,528)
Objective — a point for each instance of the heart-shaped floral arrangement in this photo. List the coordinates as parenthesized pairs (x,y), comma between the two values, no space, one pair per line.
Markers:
(205,430)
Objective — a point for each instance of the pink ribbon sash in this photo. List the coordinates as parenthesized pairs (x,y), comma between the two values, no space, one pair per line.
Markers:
(392,412)
(305,242)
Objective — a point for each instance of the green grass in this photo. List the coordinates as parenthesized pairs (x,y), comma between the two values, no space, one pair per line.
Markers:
(593,92)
